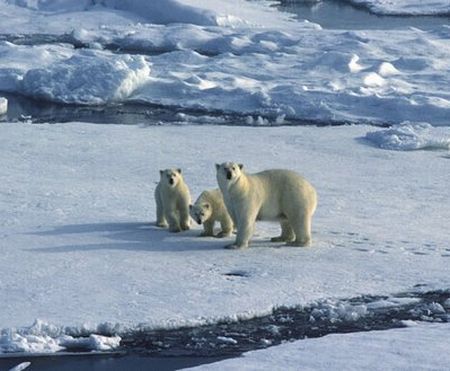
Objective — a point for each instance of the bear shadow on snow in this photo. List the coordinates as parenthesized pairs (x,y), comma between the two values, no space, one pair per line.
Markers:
(129,236)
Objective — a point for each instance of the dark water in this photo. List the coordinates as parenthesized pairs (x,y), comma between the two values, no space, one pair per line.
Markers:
(285,324)
(340,14)
(106,363)
(24,109)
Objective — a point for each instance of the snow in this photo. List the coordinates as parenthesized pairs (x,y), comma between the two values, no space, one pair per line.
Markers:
(77,214)
(56,16)
(407,136)
(377,76)
(406,7)
(3,105)
(400,349)
(87,78)
(42,337)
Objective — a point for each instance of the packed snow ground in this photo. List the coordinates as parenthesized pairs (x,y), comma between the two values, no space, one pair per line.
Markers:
(80,251)
(400,349)
(273,68)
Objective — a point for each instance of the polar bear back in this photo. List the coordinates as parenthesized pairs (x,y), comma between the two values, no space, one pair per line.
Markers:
(278,190)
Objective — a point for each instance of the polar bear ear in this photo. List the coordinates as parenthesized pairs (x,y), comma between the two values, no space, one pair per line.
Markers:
(217,166)
(179,170)
(241,166)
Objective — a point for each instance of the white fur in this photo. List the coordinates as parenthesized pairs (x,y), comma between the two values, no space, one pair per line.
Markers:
(280,195)
(210,208)
(172,201)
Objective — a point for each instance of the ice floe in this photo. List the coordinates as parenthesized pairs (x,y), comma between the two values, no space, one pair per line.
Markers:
(406,7)
(295,69)
(407,348)
(408,136)
(42,337)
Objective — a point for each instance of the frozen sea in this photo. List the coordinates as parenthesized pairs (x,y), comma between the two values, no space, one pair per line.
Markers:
(97,96)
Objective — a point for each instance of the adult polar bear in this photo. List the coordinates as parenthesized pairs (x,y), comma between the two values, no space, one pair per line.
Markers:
(277,194)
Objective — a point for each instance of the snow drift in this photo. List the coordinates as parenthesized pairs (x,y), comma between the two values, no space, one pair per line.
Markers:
(89,77)
(408,136)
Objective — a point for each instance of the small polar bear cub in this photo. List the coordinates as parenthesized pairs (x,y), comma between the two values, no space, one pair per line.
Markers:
(210,208)
(172,201)
(280,195)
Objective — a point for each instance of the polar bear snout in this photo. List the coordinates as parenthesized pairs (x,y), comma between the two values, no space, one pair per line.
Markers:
(172,180)
(171,176)
(229,171)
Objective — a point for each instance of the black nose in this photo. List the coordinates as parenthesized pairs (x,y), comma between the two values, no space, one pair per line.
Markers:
(171,181)
(199,221)
(229,175)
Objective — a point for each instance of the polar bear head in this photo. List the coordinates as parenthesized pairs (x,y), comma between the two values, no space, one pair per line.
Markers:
(171,177)
(200,212)
(228,173)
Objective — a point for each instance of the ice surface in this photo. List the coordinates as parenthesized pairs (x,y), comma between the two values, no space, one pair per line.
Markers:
(406,7)
(76,228)
(407,137)
(21,366)
(423,346)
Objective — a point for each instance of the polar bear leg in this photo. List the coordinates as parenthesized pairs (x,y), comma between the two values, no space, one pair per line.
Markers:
(174,222)
(160,218)
(245,228)
(227,227)
(301,224)
(185,217)
(287,234)
(208,229)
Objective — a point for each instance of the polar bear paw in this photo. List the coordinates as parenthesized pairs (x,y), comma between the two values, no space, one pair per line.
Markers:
(233,246)
(299,243)
(206,234)
(223,234)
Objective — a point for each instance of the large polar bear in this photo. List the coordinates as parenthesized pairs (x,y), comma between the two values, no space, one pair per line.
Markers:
(281,195)
(172,201)
(210,208)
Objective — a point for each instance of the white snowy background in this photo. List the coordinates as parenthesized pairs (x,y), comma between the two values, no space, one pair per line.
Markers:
(79,252)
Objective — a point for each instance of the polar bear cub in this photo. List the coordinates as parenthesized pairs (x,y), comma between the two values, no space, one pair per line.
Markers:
(172,201)
(281,195)
(210,208)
